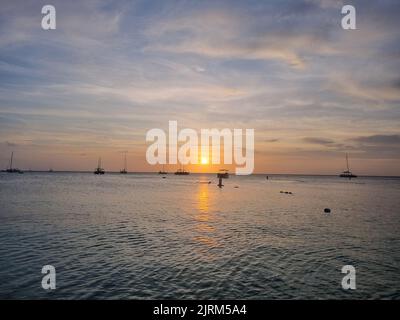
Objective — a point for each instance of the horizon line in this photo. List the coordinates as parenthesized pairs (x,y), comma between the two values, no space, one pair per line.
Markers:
(172,172)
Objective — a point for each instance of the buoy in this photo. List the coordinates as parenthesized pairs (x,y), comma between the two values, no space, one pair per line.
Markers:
(236,187)
(327,210)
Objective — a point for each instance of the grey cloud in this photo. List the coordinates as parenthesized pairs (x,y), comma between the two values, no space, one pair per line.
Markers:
(379,139)
(321,141)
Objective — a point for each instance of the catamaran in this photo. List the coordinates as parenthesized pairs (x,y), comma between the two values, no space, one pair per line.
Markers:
(99,169)
(162,171)
(11,169)
(182,172)
(347,173)
(124,170)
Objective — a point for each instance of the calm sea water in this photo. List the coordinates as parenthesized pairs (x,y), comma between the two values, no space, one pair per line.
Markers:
(139,236)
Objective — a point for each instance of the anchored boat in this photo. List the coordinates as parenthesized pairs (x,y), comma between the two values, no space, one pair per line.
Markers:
(99,169)
(124,170)
(11,169)
(182,172)
(162,171)
(347,174)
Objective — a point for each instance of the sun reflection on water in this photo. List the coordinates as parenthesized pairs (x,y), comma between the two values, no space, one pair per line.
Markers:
(204,216)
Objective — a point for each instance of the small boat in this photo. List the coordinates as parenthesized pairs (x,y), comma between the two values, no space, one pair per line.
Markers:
(223,173)
(99,169)
(124,170)
(347,174)
(182,172)
(162,171)
(11,169)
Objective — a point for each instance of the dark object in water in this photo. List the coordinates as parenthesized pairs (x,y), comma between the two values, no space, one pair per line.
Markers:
(164,177)
(267,177)
(220,183)
(327,210)
(236,187)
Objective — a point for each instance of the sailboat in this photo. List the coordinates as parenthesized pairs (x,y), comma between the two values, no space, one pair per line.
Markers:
(124,171)
(99,169)
(182,172)
(162,171)
(347,173)
(11,169)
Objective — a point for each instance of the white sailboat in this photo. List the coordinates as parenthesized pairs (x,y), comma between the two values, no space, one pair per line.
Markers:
(347,174)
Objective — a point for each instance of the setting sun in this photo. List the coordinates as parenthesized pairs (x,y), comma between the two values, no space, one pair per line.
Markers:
(204,160)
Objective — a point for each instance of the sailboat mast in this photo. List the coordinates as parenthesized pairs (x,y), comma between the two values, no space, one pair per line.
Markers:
(125,162)
(11,161)
(99,163)
(347,162)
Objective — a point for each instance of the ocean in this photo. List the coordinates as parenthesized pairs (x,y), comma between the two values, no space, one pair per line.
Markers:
(138,236)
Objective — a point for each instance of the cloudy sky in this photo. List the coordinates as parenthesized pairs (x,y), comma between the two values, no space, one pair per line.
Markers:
(112,70)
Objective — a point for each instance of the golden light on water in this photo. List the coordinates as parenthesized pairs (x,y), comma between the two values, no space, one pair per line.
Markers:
(204,229)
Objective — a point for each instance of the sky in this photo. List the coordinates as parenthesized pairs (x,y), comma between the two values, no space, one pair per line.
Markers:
(112,70)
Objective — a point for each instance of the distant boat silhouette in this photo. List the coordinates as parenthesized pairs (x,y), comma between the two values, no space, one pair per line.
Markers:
(11,169)
(347,174)
(124,171)
(223,173)
(182,172)
(99,169)
(162,171)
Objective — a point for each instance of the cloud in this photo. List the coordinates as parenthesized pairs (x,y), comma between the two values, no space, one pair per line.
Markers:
(393,139)
(226,35)
(114,69)
(271,140)
(320,141)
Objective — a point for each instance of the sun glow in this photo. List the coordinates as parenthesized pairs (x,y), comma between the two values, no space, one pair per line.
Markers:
(204,160)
